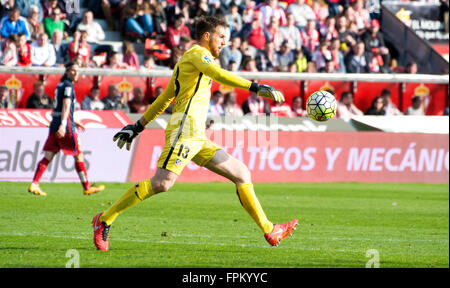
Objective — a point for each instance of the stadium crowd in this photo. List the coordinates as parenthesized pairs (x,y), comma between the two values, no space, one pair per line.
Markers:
(329,36)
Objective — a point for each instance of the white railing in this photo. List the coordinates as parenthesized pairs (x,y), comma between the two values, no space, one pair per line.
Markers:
(392,78)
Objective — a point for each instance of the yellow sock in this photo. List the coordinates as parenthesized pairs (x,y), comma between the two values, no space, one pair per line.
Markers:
(134,195)
(251,204)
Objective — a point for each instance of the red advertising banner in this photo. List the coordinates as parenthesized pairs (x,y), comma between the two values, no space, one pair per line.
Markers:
(436,95)
(316,157)
(43,117)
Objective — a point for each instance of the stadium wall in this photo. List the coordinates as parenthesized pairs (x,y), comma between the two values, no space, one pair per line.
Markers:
(272,155)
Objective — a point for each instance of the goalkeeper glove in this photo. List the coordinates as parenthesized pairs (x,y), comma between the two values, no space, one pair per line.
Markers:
(267,91)
(127,134)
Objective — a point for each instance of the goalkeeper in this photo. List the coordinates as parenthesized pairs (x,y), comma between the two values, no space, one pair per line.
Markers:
(185,140)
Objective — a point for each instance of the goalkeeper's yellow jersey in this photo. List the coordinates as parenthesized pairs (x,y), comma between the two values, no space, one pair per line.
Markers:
(190,88)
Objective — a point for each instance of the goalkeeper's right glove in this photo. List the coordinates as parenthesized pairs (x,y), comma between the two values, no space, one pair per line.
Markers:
(127,134)
(267,91)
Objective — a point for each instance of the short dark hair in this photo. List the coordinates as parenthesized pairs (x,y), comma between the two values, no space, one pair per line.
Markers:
(69,65)
(208,24)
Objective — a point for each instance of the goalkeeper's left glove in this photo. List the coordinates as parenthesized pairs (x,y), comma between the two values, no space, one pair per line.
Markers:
(127,134)
(267,91)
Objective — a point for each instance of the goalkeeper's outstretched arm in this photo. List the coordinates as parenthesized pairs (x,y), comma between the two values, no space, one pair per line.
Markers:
(227,78)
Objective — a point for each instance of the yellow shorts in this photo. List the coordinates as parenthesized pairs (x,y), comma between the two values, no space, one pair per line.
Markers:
(174,159)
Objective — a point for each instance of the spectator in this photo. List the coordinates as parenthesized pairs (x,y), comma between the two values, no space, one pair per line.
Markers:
(230,106)
(248,14)
(249,65)
(185,43)
(301,12)
(269,9)
(24,51)
(138,19)
(310,37)
(175,32)
(130,58)
(34,24)
(358,60)
(281,110)
(328,30)
(115,62)
(159,17)
(266,59)
(389,106)
(346,108)
(13,24)
(231,52)
(149,63)
(374,42)
(416,108)
(54,22)
(361,15)
(137,104)
(321,11)
(273,34)
(215,104)
(114,100)
(80,47)
(285,55)
(321,56)
(234,19)
(39,100)
(8,56)
(328,68)
(5,102)
(291,33)
(300,60)
(60,47)
(25,5)
(92,101)
(337,56)
(297,107)
(255,105)
(346,37)
(377,107)
(94,31)
(112,8)
(411,68)
(247,50)
(49,6)
(254,33)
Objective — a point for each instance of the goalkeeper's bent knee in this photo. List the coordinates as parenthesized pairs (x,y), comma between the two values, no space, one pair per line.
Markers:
(144,189)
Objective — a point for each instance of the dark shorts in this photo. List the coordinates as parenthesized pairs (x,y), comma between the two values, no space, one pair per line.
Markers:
(69,144)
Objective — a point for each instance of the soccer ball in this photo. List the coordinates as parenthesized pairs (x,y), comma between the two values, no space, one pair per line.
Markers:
(321,106)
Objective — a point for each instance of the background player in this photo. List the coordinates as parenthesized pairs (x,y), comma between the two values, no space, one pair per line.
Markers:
(190,85)
(62,135)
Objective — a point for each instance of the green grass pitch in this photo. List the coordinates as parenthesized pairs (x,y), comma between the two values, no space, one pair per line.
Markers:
(204,225)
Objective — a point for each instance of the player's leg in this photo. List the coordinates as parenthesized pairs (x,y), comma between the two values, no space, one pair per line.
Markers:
(236,171)
(40,169)
(160,182)
(82,174)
